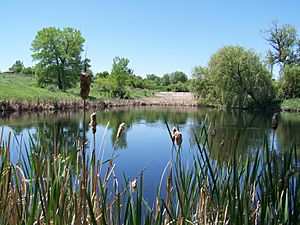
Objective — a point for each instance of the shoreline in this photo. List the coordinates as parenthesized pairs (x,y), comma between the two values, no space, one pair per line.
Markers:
(74,105)
(184,99)
(162,99)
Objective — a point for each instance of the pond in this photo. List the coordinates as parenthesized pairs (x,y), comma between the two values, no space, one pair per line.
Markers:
(146,140)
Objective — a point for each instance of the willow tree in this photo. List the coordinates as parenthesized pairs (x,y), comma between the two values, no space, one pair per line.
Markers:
(235,77)
(58,53)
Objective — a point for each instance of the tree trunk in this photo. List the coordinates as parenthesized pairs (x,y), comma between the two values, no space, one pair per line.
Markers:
(59,81)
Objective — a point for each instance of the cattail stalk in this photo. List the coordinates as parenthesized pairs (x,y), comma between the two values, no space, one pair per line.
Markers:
(85,82)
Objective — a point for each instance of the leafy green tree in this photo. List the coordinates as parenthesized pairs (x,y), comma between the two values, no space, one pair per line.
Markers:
(202,85)
(17,67)
(178,76)
(58,53)
(103,74)
(165,80)
(284,43)
(120,74)
(154,77)
(236,77)
(289,84)
(136,82)
(28,71)
(179,87)
(150,84)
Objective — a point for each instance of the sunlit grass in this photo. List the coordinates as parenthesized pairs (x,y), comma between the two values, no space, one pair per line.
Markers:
(291,104)
(24,87)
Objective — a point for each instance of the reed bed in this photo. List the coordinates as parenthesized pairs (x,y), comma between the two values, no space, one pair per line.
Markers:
(47,186)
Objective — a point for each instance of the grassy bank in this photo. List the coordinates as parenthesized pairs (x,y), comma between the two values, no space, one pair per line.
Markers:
(20,87)
(263,188)
(25,88)
(291,104)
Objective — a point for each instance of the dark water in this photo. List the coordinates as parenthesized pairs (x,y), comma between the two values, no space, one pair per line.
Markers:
(146,138)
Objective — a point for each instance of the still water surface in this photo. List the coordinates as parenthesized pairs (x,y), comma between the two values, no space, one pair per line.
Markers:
(146,137)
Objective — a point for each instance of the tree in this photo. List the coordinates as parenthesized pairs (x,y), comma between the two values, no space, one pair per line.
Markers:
(120,74)
(289,84)
(103,74)
(17,67)
(284,43)
(58,53)
(154,78)
(236,77)
(178,76)
(202,85)
(165,80)
(28,71)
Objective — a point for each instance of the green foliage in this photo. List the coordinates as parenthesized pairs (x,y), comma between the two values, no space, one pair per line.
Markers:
(292,104)
(178,76)
(150,84)
(28,71)
(17,67)
(202,85)
(165,80)
(58,53)
(52,186)
(284,43)
(103,74)
(289,84)
(136,82)
(120,74)
(235,77)
(179,87)
(154,78)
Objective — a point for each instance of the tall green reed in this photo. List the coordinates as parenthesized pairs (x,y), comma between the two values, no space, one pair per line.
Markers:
(46,186)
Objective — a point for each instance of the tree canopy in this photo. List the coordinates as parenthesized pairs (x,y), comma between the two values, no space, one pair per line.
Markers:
(234,77)
(58,53)
(17,67)
(284,45)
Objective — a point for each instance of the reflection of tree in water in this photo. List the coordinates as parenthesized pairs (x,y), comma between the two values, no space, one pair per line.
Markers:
(288,131)
(246,129)
(63,126)
(227,123)
(131,116)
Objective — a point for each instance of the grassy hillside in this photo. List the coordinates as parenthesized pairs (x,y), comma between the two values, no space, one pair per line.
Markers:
(24,87)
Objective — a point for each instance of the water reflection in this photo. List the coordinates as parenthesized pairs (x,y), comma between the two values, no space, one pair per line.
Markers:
(147,132)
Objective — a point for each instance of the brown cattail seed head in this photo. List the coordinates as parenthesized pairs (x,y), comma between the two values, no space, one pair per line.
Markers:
(120,129)
(93,122)
(213,132)
(275,120)
(174,129)
(85,83)
(134,184)
(177,137)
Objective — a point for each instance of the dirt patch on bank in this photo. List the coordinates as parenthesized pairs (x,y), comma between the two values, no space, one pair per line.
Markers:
(172,98)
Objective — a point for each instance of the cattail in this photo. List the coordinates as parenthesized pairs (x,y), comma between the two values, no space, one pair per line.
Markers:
(134,184)
(174,129)
(93,122)
(120,129)
(85,82)
(213,132)
(275,120)
(177,136)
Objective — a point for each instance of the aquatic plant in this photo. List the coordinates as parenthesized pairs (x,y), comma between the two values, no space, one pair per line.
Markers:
(47,186)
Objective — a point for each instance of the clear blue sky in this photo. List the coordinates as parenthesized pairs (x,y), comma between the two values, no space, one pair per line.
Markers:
(157,36)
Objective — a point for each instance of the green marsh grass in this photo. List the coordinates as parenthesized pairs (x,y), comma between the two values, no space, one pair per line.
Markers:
(46,186)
